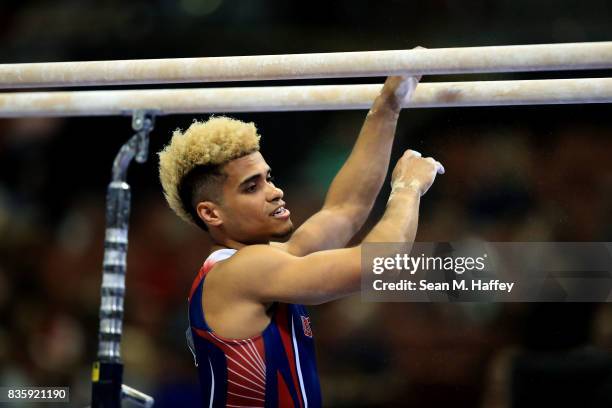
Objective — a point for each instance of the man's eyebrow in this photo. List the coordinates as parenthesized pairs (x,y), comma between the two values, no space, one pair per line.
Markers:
(253,178)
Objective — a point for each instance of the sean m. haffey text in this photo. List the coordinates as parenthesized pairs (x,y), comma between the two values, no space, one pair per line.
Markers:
(412,264)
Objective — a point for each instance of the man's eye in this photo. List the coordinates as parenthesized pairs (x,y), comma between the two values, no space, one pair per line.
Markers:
(251,188)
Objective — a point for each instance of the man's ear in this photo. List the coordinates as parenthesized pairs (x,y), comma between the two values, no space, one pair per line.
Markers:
(209,212)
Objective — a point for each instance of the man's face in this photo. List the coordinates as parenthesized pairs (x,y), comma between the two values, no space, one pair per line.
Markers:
(253,210)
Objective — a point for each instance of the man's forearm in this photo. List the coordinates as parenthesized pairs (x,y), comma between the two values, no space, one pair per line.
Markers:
(401,218)
(360,179)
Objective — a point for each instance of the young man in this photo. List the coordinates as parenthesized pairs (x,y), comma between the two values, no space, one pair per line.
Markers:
(250,336)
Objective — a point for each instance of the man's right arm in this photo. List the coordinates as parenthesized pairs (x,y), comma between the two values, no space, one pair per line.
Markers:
(265,274)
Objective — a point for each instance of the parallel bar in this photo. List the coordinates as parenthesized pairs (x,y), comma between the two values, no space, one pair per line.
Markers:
(541,57)
(302,98)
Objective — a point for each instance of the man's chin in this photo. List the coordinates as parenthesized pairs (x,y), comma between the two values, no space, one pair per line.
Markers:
(284,234)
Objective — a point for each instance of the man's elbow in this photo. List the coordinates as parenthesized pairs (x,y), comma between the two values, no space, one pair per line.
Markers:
(329,296)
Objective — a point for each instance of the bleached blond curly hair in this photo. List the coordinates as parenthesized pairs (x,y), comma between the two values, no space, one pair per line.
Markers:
(213,142)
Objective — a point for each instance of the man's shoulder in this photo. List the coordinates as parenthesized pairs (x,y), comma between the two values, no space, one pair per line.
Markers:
(260,252)
(249,267)
(254,257)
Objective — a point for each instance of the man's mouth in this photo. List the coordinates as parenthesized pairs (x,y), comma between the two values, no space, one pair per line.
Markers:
(281,212)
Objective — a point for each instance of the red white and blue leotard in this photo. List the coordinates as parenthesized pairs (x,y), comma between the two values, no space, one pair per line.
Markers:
(274,369)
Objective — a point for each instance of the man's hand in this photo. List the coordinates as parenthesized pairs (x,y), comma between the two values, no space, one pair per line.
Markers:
(399,89)
(414,171)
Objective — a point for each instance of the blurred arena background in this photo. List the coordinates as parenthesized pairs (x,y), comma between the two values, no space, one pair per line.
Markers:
(512,174)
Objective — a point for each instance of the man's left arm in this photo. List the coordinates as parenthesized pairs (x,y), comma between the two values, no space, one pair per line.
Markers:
(353,191)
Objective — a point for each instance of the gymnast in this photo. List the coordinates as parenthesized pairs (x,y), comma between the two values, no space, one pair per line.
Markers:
(249,333)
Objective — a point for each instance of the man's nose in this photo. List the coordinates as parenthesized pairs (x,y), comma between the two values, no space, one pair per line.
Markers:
(275,193)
